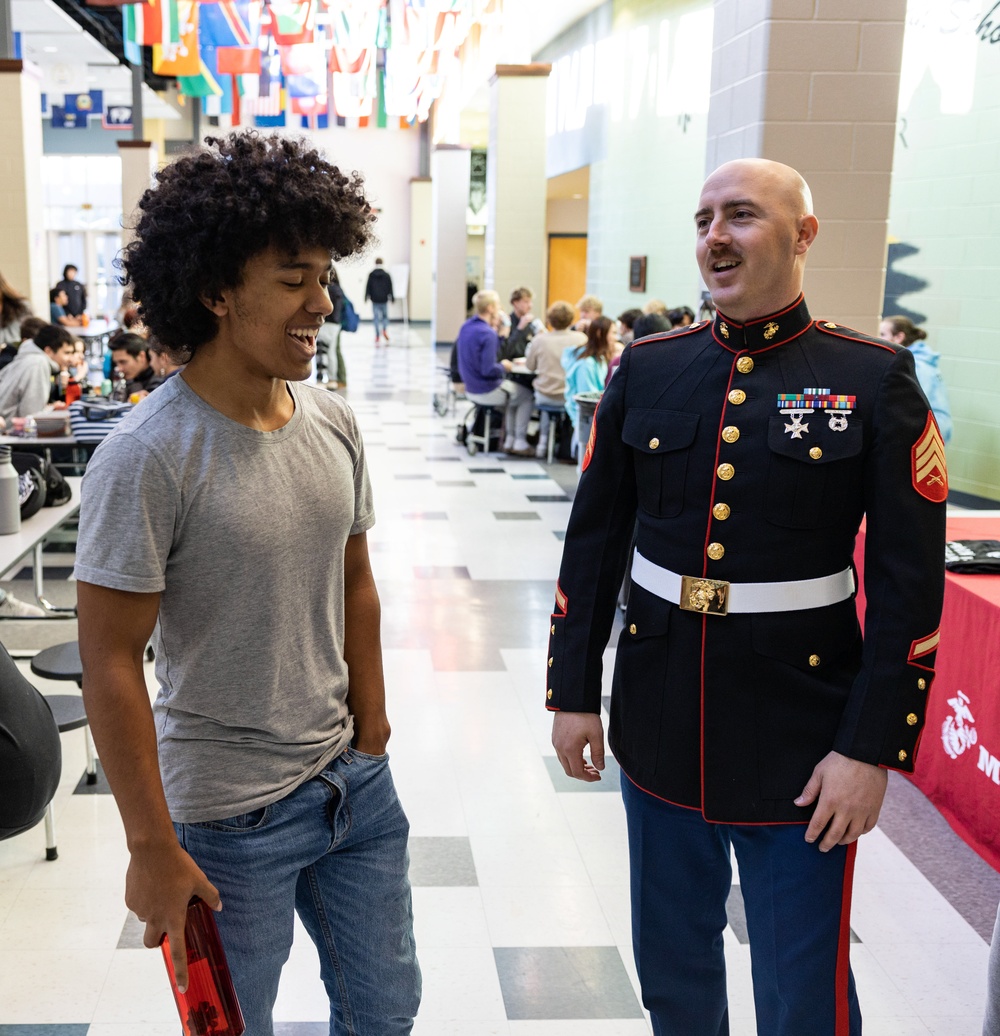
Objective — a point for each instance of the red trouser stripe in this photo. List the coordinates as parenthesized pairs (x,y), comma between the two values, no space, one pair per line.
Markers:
(842,1025)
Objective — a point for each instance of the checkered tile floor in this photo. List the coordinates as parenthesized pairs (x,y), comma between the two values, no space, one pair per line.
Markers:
(519,874)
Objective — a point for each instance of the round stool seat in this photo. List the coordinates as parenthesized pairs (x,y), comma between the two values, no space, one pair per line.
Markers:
(67,710)
(59,662)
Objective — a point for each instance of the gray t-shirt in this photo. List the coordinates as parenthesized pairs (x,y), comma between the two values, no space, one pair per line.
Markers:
(243,534)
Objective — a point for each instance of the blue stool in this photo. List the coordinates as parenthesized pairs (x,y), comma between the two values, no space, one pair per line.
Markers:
(546,426)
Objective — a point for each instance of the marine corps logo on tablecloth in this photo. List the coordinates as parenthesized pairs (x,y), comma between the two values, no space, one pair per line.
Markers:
(930,471)
(957,731)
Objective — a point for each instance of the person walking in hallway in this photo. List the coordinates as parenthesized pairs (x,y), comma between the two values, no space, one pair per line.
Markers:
(379,289)
(747,714)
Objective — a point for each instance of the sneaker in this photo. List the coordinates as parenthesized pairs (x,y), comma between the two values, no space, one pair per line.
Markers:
(526,452)
(12,608)
(385,335)
(542,450)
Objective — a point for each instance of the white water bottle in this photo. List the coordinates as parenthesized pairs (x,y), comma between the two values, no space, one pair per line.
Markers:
(10,499)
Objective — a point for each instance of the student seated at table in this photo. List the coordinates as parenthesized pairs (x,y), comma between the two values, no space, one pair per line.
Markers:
(26,382)
(486,381)
(58,300)
(544,355)
(30,326)
(130,355)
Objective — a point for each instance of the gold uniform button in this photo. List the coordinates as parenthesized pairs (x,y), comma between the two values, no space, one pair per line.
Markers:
(911,720)
(631,629)
(550,663)
(737,396)
(921,684)
(830,325)
(715,551)
(815,453)
(552,629)
(730,433)
(548,694)
(744,365)
(725,472)
(653,443)
(902,755)
(814,660)
(721,512)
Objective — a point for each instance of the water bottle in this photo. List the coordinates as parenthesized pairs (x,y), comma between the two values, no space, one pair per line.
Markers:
(10,499)
(73,391)
(119,391)
(208,1007)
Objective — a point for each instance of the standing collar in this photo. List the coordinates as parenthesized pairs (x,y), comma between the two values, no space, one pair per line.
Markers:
(764,332)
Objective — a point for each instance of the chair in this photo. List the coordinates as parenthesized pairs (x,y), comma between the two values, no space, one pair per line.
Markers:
(30,754)
(554,412)
(474,441)
(62,662)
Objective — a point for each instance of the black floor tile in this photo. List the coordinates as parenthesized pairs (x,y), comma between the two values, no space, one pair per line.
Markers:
(561,498)
(551,982)
(517,516)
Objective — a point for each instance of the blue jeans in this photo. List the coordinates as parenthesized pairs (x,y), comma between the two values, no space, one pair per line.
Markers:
(380,314)
(334,850)
(797,902)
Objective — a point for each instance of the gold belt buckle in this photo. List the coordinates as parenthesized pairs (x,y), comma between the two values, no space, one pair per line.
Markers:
(707,596)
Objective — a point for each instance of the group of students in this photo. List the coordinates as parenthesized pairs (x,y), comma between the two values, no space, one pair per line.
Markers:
(575,351)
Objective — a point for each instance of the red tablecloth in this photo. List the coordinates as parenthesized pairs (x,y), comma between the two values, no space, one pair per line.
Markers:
(958,764)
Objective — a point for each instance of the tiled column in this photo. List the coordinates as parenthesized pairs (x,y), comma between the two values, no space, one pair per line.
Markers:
(420,302)
(815,84)
(449,199)
(138,165)
(24,256)
(515,180)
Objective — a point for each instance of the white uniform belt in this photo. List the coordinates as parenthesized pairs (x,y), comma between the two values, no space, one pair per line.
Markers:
(718,597)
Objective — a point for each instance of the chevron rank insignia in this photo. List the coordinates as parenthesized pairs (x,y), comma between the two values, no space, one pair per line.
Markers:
(930,472)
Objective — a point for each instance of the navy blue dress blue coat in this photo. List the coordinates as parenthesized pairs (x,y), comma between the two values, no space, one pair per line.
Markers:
(730,714)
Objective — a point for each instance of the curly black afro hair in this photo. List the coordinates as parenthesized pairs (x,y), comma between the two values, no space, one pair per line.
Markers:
(217,207)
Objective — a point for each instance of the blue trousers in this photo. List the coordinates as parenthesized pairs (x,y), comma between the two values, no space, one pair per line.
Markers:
(380,316)
(797,903)
(334,851)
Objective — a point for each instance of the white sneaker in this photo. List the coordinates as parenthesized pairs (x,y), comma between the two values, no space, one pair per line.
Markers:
(542,450)
(12,608)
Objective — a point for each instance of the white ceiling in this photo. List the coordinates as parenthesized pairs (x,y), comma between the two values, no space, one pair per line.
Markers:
(72,61)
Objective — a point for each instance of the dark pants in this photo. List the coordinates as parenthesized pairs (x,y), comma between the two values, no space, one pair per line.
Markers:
(797,901)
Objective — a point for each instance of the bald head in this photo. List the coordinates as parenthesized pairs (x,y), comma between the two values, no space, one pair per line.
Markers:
(755,224)
(776,178)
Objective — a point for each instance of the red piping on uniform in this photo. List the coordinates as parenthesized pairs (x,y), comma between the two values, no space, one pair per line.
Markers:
(842,1025)
(849,338)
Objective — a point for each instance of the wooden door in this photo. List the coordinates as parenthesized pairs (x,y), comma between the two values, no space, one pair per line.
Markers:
(567,268)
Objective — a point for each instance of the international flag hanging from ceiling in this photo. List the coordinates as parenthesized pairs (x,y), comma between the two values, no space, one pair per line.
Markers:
(180,58)
(154,22)
(382,62)
(230,23)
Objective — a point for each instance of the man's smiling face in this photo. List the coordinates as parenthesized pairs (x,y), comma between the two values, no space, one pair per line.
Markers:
(754,228)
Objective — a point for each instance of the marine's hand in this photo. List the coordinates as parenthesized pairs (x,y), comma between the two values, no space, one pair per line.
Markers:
(848,796)
(571,732)
(160,882)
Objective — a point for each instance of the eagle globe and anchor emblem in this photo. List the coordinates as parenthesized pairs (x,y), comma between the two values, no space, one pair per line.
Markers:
(957,732)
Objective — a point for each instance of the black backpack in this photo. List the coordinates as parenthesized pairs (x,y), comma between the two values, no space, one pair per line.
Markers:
(41,482)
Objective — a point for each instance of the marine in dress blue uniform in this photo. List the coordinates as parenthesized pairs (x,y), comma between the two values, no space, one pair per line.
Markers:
(743,456)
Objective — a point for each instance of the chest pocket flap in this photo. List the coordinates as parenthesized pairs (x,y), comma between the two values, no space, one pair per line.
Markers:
(832,445)
(659,431)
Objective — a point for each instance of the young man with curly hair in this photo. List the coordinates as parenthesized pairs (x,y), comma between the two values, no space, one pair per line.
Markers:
(259,780)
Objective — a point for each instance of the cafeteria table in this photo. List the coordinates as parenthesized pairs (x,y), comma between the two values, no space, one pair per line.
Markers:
(958,762)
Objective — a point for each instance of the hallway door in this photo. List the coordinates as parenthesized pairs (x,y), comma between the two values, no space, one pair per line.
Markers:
(567,267)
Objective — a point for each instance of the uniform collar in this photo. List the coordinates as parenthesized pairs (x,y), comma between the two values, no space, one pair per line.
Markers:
(763,333)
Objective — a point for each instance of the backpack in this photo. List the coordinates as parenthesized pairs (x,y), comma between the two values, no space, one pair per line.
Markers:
(41,483)
(349,319)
